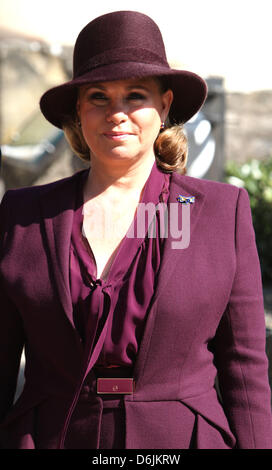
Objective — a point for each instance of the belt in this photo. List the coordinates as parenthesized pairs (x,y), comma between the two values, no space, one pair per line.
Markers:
(110,385)
(114,381)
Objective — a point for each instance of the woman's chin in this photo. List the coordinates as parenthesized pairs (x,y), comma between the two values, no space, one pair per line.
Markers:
(122,155)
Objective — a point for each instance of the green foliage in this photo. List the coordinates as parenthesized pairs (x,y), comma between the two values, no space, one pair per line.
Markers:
(256,177)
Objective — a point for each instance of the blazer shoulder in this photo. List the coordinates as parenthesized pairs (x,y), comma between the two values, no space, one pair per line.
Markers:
(31,194)
(212,190)
(206,185)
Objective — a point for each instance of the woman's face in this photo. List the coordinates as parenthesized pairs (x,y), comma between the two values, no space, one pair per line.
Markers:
(120,120)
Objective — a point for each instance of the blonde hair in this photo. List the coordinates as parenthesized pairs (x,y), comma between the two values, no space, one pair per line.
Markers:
(171,149)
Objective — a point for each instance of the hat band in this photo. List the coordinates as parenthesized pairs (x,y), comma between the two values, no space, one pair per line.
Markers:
(129,54)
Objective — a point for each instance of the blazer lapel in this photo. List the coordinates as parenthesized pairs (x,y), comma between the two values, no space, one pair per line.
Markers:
(186,186)
(57,206)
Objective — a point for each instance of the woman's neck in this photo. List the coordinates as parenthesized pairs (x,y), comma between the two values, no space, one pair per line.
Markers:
(117,183)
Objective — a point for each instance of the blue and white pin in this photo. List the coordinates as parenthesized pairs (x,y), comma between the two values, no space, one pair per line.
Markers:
(186,199)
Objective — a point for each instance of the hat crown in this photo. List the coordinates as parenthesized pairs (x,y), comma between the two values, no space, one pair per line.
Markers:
(118,37)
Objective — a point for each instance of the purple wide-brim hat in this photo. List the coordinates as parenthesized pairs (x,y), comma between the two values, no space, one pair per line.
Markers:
(119,46)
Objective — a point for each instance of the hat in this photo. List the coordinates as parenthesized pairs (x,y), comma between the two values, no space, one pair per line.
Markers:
(118,46)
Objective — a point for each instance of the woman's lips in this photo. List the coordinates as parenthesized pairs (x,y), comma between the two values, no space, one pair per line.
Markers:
(117,135)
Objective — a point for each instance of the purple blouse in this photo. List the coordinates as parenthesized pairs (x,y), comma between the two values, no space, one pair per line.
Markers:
(124,297)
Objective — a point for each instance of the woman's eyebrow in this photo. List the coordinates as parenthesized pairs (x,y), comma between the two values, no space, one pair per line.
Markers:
(141,87)
(98,86)
(101,87)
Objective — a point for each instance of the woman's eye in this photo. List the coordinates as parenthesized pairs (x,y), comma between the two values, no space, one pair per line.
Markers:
(98,97)
(136,96)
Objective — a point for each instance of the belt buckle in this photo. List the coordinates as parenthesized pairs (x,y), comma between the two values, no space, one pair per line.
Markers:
(109,385)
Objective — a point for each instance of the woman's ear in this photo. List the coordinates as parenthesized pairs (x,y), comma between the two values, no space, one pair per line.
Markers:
(167,99)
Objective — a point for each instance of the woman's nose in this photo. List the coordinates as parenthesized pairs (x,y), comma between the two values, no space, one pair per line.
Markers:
(117,112)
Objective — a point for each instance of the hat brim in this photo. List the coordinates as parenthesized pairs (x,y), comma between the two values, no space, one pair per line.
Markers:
(190,90)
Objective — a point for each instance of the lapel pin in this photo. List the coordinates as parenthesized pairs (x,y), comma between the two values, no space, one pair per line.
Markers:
(186,199)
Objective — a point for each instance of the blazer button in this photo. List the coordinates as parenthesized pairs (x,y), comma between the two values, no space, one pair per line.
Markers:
(92,285)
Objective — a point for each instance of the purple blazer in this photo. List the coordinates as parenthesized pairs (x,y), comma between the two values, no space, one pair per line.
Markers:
(206,320)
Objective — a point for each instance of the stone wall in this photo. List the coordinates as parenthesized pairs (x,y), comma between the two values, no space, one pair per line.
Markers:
(248,125)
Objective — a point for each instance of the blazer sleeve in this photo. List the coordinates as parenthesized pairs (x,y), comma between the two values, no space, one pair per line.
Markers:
(11,331)
(239,344)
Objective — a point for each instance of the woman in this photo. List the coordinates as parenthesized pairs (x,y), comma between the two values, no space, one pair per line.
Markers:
(133,287)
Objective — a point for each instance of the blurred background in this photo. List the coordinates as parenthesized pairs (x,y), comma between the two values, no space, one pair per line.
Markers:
(228,42)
